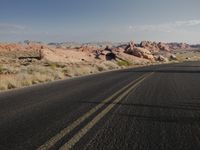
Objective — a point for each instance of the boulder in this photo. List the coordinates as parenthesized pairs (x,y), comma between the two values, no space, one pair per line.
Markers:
(161,58)
(140,52)
(110,56)
(173,57)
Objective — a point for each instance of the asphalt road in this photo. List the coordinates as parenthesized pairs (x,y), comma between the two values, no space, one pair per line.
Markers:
(148,108)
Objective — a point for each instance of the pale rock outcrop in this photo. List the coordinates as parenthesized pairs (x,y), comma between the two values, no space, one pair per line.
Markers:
(161,58)
(151,46)
(138,51)
(173,57)
(163,46)
(154,47)
(176,46)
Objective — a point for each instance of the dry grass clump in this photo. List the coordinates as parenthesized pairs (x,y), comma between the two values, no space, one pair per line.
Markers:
(1,68)
(188,56)
(16,75)
(28,76)
(8,69)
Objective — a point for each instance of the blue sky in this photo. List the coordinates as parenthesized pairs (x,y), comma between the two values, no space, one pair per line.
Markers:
(100,20)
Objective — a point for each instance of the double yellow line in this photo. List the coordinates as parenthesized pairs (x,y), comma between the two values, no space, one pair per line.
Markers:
(118,96)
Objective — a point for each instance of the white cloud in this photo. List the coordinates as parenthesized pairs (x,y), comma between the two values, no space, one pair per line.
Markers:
(11,28)
(130,27)
(187,23)
(177,26)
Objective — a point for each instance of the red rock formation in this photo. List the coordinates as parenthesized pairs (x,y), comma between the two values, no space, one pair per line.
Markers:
(20,47)
(154,47)
(163,46)
(176,46)
(138,51)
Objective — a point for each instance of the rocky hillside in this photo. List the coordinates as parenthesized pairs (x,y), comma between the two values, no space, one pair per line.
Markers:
(156,47)
(179,46)
(33,62)
(26,64)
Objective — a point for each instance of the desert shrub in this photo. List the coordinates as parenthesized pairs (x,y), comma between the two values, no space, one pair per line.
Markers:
(31,75)
(65,71)
(12,85)
(100,68)
(4,69)
(50,64)
(59,75)
(3,87)
(3,84)
(1,68)
(25,80)
(60,65)
(8,69)
(26,83)
(54,65)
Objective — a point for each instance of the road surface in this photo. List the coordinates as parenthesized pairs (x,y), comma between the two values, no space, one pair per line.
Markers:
(148,108)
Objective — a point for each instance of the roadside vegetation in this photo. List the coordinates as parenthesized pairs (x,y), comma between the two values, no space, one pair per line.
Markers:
(26,65)
(24,73)
(123,63)
(16,77)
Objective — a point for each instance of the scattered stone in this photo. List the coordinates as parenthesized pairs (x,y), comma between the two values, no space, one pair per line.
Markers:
(173,57)
(188,58)
(162,58)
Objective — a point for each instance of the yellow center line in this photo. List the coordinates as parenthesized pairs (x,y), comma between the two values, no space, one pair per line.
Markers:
(51,142)
(85,129)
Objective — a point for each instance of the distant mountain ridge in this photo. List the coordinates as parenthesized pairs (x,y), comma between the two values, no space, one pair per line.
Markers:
(152,46)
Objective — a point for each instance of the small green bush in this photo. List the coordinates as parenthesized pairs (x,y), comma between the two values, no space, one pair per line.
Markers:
(54,65)
(123,63)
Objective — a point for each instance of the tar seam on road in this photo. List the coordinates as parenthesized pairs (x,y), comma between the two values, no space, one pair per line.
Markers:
(124,91)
